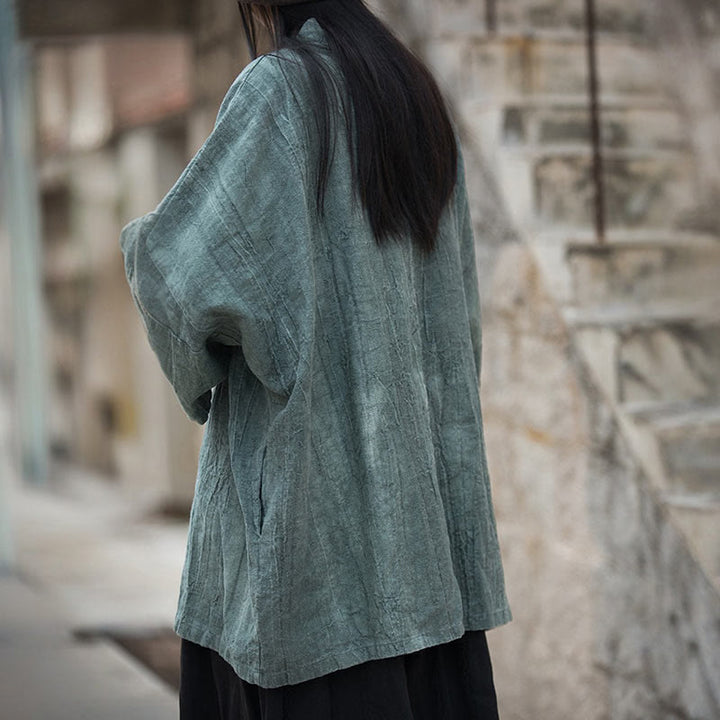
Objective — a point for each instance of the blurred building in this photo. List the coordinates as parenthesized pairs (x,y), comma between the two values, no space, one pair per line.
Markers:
(118,116)
(111,138)
(601,365)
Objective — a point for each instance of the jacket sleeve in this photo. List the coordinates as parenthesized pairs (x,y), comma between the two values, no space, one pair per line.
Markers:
(199,265)
(469,266)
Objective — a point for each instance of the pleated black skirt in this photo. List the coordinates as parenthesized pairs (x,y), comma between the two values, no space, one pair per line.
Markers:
(451,681)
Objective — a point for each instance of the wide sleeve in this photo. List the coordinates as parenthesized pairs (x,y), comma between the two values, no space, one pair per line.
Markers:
(466,238)
(199,266)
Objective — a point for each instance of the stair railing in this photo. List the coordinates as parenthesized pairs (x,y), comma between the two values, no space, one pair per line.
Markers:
(491,16)
(595,128)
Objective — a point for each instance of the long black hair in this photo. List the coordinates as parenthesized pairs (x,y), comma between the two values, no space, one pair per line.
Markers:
(400,136)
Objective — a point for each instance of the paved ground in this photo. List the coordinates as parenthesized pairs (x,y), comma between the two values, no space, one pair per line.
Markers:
(87,559)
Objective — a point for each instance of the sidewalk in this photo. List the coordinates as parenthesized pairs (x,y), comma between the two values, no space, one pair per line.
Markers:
(86,559)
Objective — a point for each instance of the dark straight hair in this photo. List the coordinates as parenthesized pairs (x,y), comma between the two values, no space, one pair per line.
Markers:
(400,136)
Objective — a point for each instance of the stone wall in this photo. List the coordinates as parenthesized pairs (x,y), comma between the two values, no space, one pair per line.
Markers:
(687,35)
(613,616)
(657,629)
(535,412)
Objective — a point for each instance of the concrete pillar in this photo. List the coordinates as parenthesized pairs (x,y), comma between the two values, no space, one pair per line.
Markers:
(23,221)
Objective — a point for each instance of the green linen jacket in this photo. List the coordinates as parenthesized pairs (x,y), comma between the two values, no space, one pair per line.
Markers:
(342,508)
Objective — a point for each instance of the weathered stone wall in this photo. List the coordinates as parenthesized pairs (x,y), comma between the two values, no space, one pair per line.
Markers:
(537,432)
(657,631)
(687,36)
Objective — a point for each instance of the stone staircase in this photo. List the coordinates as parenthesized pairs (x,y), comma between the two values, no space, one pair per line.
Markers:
(643,309)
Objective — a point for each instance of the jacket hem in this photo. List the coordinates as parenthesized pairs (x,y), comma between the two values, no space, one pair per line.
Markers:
(339,657)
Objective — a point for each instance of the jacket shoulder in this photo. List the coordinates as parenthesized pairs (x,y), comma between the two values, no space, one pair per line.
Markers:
(276,78)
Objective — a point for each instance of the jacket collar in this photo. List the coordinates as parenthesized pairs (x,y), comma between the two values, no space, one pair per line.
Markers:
(311,30)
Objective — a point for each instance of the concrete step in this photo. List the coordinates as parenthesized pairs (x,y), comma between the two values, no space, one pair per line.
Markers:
(628,237)
(622,126)
(513,16)
(689,442)
(613,16)
(645,272)
(661,353)
(550,247)
(683,441)
(554,186)
(619,316)
(496,68)
(701,526)
(538,102)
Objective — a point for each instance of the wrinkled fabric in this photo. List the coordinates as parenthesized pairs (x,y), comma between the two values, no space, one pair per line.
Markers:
(342,508)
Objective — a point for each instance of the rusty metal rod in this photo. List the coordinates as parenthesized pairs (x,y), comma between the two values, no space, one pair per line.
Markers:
(491,16)
(595,129)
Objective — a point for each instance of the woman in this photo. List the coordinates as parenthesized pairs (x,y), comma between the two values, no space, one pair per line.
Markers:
(309,287)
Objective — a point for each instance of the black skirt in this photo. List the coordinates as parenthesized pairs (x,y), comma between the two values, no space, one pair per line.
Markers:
(451,681)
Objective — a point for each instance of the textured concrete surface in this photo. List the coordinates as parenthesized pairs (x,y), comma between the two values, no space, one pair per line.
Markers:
(46,673)
(84,560)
